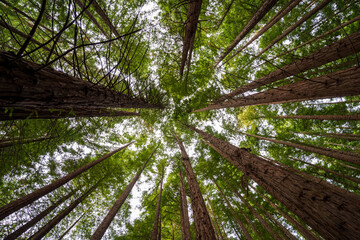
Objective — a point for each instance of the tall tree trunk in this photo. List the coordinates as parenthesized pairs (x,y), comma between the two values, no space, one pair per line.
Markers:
(215,220)
(337,84)
(333,153)
(260,13)
(241,225)
(50,225)
(156,220)
(347,136)
(274,20)
(331,211)
(105,18)
(119,202)
(24,86)
(37,218)
(203,227)
(354,117)
(9,143)
(48,113)
(72,225)
(184,215)
(22,202)
(337,50)
(295,25)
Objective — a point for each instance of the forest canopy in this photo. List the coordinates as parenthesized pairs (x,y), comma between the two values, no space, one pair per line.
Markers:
(165,119)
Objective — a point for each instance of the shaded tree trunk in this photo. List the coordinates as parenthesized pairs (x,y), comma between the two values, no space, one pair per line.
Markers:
(261,12)
(72,225)
(156,220)
(50,225)
(119,202)
(9,143)
(333,153)
(203,226)
(36,219)
(355,117)
(103,15)
(214,220)
(331,211)
(337,50)
(337,84)
(351,137)
(22,202)
(184,217)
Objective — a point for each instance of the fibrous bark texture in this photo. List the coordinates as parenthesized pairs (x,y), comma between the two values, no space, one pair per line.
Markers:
(157,215)
(354,117)
(331,211)
(185,224)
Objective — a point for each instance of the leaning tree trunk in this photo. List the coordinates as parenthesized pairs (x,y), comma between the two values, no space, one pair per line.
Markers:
(184,215)
(72,225)
(337,50)
(48,113)
(333,153)
(347,136)
(22,202)
(116,207)
(9,142)
(202,221)
(354,117)
(216,225)
(37,218)
(337,84)
(23,85)
(331,211)
(50,225)
(156,221)
(261,12)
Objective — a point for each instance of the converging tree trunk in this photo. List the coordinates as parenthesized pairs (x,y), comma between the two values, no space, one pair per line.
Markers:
(10,142)
(354,117)
(184,215)
(331,211)
(119,202)
(203,226)
(71,226)
(215,220)
(22,202)
(157,215)
(346,136)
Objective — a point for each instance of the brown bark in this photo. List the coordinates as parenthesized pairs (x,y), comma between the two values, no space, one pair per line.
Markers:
(202,222)
(116,207)
(241,225)
(24,87)
(184,215)
(9,143)
(216,222)
(355,117)
(333,153)
(190,31)
(295,25)
(260,13)
(50,225)
(351,137)
(331,211)
(337,50)
(72,225)
(157,215)
(337,84)
(22,202)
(47,113)
(103,15)
(37,218)
(274,20)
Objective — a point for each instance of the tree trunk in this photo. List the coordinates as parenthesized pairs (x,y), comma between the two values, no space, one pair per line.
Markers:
(9,143)
(72,225)
(119,202)
(24,86)
(156,221)
(355,117)
(333,153)
(295,25)
(274,20)
(103,15)
(47,113)
(50,225)
(184,215)
(22,202)
(241,225)
(333,212)
(337,50)
(337,84)
(261,12)
(351,137)
(36,219)
(203,227)
(216,222)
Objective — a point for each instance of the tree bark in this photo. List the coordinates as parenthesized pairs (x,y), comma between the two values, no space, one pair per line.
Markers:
(72,225)
(216,223)
(50,225)
(47,113)
(355,117)
(337,50)
(105,18)
(156,220)
(184,215)
(260,13)
(351,137)
(337,84)
(24,86)
(36,219)
(119,202)
(331,211)
(22,202)
(333,153)
(203,227)
(9,143)
(295,25)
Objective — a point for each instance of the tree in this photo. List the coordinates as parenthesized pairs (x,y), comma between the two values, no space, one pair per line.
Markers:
(157,226)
